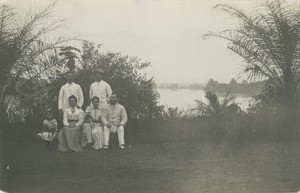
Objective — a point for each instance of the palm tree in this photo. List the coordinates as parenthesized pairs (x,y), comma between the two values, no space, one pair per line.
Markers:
(215,108)
(269,42)
(173,113)
(24,51)
(220,113)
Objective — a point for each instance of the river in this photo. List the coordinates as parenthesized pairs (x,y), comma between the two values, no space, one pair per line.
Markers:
(185,98)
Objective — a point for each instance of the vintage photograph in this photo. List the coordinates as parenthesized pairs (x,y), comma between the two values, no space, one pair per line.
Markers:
(150,96)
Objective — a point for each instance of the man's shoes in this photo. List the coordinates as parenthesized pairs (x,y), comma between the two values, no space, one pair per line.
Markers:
(105,147)
(122,147)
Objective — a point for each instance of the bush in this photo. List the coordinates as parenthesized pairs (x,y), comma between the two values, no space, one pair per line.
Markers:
(135,90)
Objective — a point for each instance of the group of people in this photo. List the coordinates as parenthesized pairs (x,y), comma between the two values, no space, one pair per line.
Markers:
(90,128)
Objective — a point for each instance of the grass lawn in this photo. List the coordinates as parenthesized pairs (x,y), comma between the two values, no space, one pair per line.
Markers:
(27,166)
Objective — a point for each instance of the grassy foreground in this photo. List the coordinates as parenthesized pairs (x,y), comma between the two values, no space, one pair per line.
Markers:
(27,166)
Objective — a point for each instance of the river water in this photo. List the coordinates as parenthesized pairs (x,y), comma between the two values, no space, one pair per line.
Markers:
(185,98)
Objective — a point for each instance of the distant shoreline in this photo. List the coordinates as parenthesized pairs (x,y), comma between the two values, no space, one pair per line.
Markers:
(235,88)
(217,92)
(180,88)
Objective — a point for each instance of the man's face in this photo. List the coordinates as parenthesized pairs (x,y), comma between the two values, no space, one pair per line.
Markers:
(72,102)
(98,76)
(95,103)
(69,77)
(113,99)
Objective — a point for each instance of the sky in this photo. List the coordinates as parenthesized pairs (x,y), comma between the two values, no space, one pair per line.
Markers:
(167,33)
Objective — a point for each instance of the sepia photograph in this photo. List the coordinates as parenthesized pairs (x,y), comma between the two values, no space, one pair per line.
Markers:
(150,96)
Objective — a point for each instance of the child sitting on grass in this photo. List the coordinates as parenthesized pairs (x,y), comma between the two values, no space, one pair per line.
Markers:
(49,130)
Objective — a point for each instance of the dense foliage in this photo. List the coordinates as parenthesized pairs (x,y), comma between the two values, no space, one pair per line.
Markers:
(134,89)
(24,52)
(268,39)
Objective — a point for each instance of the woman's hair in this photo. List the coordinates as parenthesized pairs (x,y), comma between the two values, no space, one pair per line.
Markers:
(73,97)
(95,97)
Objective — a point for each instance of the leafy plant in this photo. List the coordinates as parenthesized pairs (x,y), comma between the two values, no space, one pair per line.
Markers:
(268,39)
(24,52)
(69,54)
(220,114)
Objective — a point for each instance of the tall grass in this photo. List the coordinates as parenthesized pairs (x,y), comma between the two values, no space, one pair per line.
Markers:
(215,122)
(219,122)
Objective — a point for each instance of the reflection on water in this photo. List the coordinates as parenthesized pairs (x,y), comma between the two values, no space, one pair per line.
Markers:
(185,98)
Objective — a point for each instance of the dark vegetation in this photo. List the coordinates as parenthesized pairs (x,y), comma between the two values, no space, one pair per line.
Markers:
(244,88)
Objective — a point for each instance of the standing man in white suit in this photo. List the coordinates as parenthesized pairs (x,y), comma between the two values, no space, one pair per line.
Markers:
(100,89)
(67,90)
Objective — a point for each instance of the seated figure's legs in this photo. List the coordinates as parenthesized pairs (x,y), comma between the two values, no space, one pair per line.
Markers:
(106,133)
(62,139)
(120,131)
(97,137)
(72,138)
(87,132)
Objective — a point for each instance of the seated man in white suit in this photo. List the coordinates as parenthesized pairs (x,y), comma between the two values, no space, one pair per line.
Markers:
(114,118)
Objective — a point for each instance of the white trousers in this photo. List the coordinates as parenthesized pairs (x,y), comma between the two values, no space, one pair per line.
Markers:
(114,129)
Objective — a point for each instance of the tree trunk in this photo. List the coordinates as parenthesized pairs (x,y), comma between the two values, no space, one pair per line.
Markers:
(3,116)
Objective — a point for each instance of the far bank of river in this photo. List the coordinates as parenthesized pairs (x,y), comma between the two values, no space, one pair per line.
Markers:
(185,98)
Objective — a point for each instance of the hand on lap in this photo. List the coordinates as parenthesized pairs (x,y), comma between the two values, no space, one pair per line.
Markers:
(72,125)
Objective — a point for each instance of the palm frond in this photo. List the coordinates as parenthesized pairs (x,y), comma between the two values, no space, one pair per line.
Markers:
(268,40)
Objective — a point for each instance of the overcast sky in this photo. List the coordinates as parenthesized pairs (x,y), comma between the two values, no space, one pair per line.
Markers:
(166,33)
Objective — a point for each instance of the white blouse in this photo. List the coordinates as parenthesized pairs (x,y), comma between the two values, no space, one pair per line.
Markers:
(74,114)
(95,113)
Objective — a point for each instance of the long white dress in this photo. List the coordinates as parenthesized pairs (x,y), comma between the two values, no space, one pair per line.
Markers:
(93,132)
(68,137)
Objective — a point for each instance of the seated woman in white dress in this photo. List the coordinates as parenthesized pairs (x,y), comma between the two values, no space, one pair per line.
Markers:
(92,128)
(73,119)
